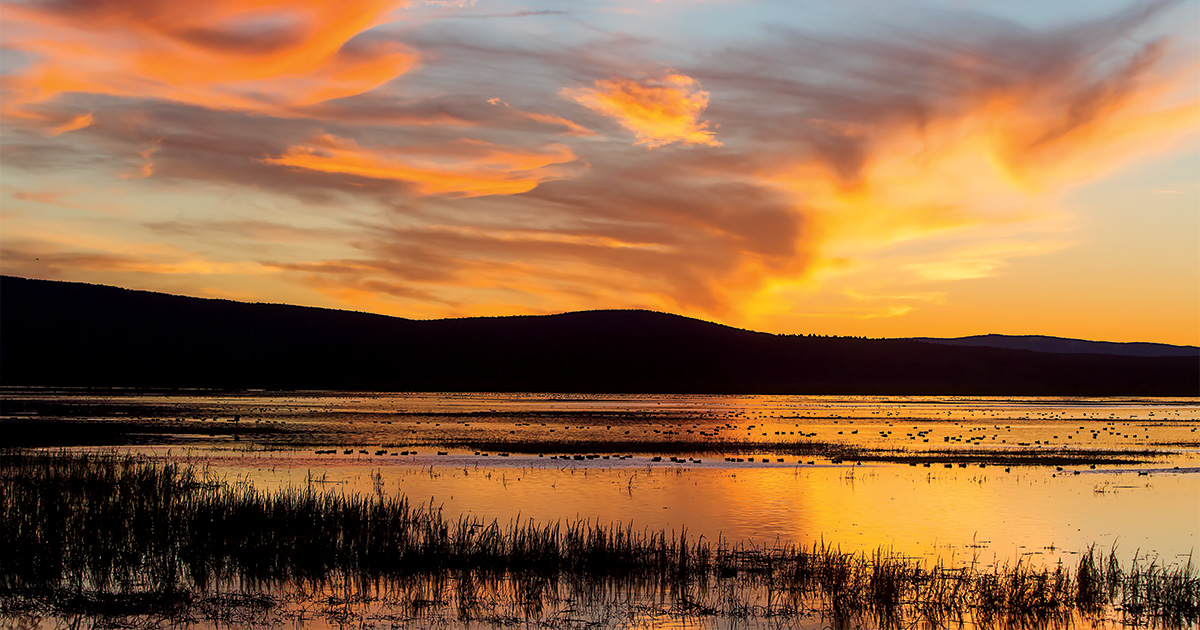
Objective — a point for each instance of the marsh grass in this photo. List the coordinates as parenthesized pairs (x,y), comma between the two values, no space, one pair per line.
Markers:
(116,536)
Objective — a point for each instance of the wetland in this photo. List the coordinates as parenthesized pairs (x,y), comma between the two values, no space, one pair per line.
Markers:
(329,509)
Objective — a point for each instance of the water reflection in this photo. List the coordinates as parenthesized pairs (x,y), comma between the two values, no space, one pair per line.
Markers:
(1005,511)
(1037,514)
(136,542)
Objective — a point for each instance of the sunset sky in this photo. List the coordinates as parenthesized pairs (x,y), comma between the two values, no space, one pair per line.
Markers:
(869,167)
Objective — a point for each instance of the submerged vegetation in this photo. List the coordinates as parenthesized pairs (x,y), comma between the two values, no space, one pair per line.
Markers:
(117,537)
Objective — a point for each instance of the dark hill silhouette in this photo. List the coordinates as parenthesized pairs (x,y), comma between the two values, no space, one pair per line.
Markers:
(72,334)
(1041,343)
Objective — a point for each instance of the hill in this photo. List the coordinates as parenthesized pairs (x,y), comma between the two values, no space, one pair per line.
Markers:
(73,334)
(1040,343)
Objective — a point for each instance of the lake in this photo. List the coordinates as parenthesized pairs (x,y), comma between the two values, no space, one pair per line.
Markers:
(961,481)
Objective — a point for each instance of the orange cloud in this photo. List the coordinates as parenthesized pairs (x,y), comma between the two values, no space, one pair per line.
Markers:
(77,122)
(147,166)
(42,196)
(658,111)
(140,259)
(989,157)
(464,169)
(83,199)
(256,55)
(1077,127)
(573,128)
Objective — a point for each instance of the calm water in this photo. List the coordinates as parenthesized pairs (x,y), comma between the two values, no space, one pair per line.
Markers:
(961,514)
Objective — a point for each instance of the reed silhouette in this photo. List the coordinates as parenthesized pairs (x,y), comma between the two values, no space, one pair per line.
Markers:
(108,536)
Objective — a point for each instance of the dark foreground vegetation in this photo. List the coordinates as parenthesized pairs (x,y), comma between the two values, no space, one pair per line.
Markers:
(126,541)
(73,334)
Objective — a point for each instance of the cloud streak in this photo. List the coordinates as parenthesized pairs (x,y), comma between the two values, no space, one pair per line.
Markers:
(465,169)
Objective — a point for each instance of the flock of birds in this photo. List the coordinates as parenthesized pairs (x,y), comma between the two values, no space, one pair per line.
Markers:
(901,428)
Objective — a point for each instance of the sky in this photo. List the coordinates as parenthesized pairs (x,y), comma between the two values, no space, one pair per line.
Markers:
(880,168)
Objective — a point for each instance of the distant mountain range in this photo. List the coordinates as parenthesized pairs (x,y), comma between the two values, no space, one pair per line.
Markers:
(74,334)
(1059,345)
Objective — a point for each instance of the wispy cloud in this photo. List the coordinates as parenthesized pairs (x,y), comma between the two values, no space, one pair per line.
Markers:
(80,121)
(265,56)
(465,169)
(657,111)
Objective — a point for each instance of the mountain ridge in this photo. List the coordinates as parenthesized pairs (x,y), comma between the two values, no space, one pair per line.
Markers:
(991,340)
(75,334)
(1067,345)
